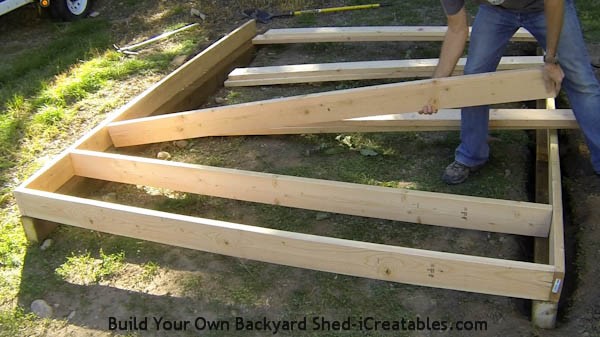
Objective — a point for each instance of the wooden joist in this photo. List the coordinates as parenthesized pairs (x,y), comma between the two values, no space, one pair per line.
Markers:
(366,70)
(322,195)
(467,90)
(556,238)
(364,34)
(445,119)
(384,262)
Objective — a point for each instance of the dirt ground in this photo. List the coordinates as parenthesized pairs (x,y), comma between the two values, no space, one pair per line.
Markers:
(191,284)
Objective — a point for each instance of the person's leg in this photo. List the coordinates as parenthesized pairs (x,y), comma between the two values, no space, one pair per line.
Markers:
(492,29)
(580,82)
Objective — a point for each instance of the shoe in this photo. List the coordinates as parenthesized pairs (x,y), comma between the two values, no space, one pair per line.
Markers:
(457,173)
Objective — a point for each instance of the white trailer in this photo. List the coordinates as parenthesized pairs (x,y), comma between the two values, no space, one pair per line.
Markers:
(64,9)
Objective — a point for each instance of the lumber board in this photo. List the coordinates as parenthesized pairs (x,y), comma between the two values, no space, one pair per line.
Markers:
(364,34)
(322,195)
(543,313)
(390,263)
(445,119)
(450,92)
(365,70)
(556,238)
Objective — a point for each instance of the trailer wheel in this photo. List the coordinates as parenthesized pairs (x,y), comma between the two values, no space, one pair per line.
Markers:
(70,10)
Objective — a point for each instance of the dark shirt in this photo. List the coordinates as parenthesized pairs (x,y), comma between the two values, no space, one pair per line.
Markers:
(453,6)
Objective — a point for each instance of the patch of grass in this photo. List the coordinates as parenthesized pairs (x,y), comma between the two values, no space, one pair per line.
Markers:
(150,270)
(84,269)
(16,323)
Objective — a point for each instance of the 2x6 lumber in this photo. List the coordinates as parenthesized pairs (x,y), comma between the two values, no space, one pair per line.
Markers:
(390,263)
(450,92)
(445,119)
(366,70)
(322,195)
(364,34)
(556,238)
(543,313)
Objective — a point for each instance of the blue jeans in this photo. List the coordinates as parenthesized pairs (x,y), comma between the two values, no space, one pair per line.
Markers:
(492,29)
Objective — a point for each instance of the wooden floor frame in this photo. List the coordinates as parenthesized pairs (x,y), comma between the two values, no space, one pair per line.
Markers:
(46,198)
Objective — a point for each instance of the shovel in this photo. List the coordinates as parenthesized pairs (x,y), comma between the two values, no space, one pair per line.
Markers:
(264,17)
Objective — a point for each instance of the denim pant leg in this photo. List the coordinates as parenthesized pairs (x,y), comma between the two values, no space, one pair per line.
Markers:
(492,29)
(580,82)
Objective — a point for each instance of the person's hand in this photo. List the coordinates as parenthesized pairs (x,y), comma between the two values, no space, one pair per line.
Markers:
(553,76)
(430,108)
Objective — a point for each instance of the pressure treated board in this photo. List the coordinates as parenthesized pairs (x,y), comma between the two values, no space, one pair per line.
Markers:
(322,195)
(363,34)
(443,120)
(384,262)
(365,70)
(556,238)
(466,90)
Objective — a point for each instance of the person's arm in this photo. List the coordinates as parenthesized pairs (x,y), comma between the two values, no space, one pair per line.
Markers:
(452,49)
(554,12)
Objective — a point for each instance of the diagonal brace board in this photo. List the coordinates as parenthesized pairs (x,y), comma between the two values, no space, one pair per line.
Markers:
(330,196)
(383,262)
(467,90)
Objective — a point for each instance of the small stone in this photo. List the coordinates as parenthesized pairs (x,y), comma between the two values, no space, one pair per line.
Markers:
(220,100)
(322,216)
(41,309)
(163,155)
(110,197)
(506,173)
(182,144)
(178,60)
(368,152)
(501,239)
(197,13)
(46,244)
(93,14)
(71,315)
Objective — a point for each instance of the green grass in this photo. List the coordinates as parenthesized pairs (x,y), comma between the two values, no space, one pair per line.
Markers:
(85,269)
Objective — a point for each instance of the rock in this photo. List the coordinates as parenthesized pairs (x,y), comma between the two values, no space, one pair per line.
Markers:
(197,13)
(163,155)
(46,244)
(322,216)
(220,100)
(178,60)
(506,173)
(71,315)
(182,144)
(93,14)
(368,152)
(41,309)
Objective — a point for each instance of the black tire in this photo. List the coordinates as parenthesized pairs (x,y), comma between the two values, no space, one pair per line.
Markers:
(70,10)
